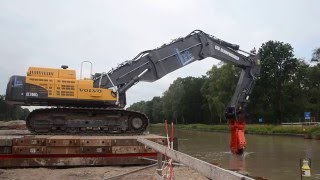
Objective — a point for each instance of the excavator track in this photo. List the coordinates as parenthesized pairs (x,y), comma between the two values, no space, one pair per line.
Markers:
(86,121)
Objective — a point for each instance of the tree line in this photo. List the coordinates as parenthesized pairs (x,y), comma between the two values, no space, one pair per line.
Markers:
(9,112)
(287,87)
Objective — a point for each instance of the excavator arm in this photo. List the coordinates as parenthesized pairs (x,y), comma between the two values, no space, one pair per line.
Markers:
(153,64)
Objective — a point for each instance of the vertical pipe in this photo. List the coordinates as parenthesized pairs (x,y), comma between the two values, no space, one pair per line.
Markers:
(82,65)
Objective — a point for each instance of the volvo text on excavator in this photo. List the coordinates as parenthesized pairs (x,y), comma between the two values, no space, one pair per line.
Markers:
(95,105)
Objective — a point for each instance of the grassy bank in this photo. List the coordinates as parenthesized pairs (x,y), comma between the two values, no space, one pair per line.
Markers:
(255,129)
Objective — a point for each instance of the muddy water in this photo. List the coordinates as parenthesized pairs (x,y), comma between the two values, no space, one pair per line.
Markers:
(272,157)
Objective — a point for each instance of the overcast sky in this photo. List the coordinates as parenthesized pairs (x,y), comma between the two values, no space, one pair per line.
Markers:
(52,33)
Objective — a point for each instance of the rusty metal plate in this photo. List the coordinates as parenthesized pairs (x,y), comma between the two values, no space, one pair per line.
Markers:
(63,150)
(94,141)
(96,150)
(5,150)
(127,149)
(63,141)
(38,140)
(125,142)
(29,150)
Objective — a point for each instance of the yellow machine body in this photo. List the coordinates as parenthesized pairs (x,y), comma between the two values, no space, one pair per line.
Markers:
(62,84)
(79,107)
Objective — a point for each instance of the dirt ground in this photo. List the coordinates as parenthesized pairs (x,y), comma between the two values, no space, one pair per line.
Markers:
(94,173)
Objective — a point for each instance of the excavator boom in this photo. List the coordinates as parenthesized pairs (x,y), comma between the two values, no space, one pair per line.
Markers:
(153,64)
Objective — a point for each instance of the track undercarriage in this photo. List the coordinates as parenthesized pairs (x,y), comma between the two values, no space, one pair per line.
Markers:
(86,121)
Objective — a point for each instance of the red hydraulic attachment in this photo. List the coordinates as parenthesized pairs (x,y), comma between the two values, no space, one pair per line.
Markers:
(237,138)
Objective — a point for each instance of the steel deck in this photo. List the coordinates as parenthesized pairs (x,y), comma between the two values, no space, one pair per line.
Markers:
(18,149)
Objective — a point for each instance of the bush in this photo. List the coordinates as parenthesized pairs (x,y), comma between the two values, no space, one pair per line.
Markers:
(254,128)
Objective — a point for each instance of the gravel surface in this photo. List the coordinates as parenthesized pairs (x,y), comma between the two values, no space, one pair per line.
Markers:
(94,173)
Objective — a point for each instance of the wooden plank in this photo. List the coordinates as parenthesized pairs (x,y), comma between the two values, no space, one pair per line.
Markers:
(206,169)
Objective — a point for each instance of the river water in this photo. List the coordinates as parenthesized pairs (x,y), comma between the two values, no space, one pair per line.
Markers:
(272,157)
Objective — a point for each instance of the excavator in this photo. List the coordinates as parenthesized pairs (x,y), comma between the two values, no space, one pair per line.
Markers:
(95,105)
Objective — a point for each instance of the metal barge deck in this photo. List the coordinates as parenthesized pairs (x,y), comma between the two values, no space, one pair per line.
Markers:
(56,150)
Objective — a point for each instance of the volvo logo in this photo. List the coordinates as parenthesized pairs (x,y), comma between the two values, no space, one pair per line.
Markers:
(91,90)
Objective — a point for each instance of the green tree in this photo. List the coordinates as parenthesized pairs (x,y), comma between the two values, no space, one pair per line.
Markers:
(152,109)
(313,90)
(316,55)
(295,98)
(192,100)
(10,112)
(138,106)
(279,68)
(218,89)
(157,110)
(172,99)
